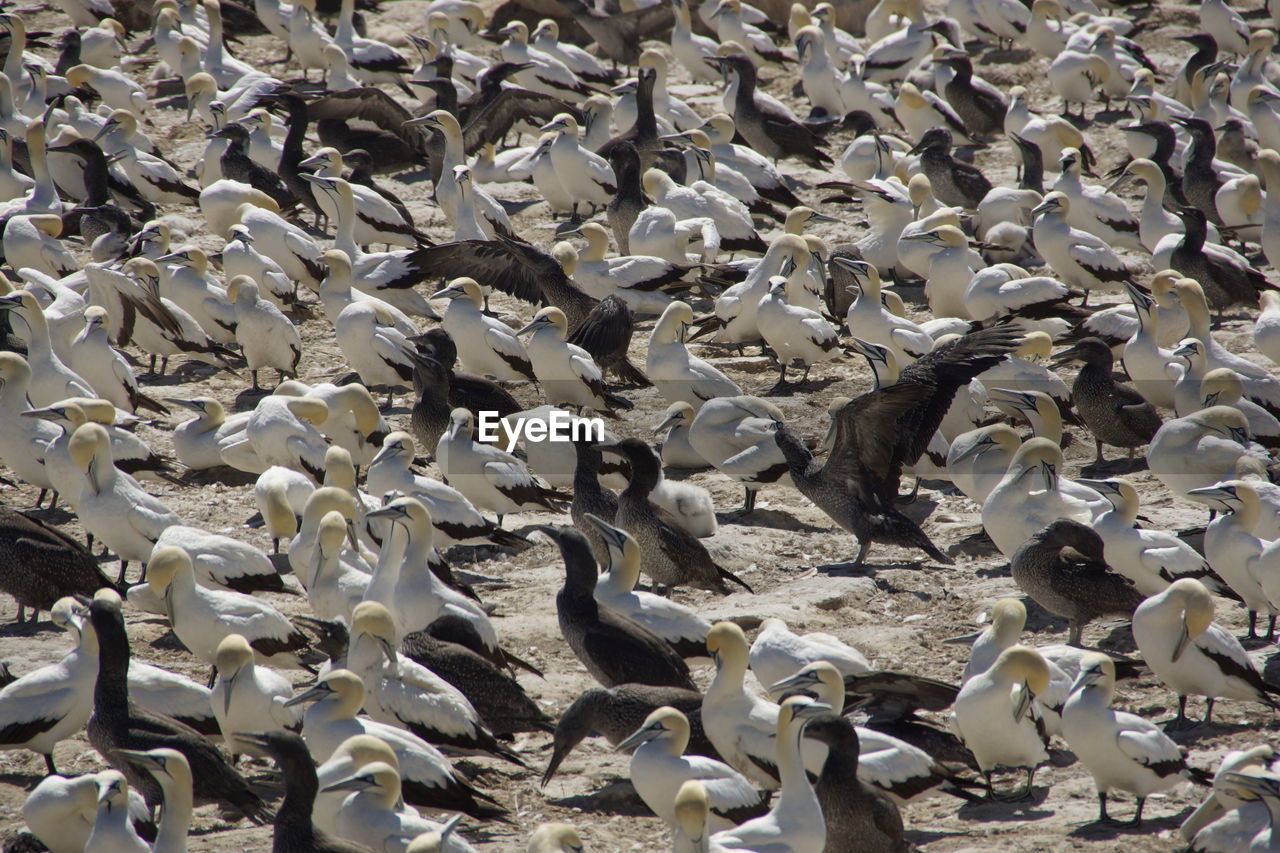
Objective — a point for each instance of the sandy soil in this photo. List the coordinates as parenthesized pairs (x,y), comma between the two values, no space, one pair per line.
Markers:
(898,611)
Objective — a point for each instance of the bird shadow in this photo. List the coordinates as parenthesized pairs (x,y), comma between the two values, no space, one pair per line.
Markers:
(1006,57)
(168,641)
(1271,669)
(28,628)
(774,519)
(56,515)
(1198,731)
(792,388)
(1096,830)
(1009,810)
(1114,467)
(223,474)
(249,397)
(616,798)
(24,781)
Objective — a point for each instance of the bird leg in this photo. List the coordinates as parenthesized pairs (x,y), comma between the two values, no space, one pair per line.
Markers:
(782,379)
(1271,627)
(213,677)
(1029,788)
(1180,721)
(1074,630)
(991,791)
(22,613)
(48,764)
(1100,458)
(254,374)
(124,566)
(40,498)
(1253,626)
(275,545)
(1208,711)
(1103,817)
(864,545)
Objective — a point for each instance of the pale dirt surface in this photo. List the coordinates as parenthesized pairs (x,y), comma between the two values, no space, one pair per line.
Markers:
(898,611)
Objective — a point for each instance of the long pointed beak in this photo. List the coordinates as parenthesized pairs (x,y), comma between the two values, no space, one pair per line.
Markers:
(670,421)
(1184,640)
(637,738)
(315,694)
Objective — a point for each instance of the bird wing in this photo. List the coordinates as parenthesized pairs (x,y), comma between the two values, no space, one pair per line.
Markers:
(495,119)
(372,105)
(865,436)
(489,261)
(606,330)
(1144,743)
(1097,258)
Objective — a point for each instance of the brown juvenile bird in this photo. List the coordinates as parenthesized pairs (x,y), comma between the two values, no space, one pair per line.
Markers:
(1115,413)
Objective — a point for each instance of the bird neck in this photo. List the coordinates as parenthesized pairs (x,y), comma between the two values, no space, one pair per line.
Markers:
(111,690)
(96,183)
(175,819)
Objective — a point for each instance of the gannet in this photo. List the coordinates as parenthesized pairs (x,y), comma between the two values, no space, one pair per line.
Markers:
(113,830)
(247,696)
(869,320)
(240,257)
(427,778)
(112,505)
(586,176)
(280,431)
(51,379)
(1038,503)
(778,653)
(795,334)
(336,587)
(678,375)
(1150,558)
(485,345)
(266,336)
(677,452)
(735,435)
(1198,450)
(369,815)
(1078,258)
(1241,558)
(1192,654)
(203,617)
(222,561)
(680,626)
(1093,209)
(644,282)
(795,821)
(543,73)
(403,693)
(405,578)
(285,243)
(60,810)
(196,442)
(1123,751)
(93,358)
(377,220)
(567,373)
(488,477)
(658,763)
(978,459)
(993,714)
(1074,73)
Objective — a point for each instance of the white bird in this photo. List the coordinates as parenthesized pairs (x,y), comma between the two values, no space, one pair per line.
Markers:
(586,176)
(223,561)
(425,774)
(795,822)
(1038,503)
(1148,557)
(796,334)
(111,504)
(335,587)
(370,817)
(1094,209)
(266,336)
(92,357)
(113,830)
(60,810)
(680,376)
(679,625)
(978,459)
(658,766)
(1249,564)
(677,452)
(403,693)
(731,217)
(375,348)
(377,219)
(778,653)
(1199,450)
(281,430)
(485,346)
(240,257)
(567,373)
(736,435)
(1077,258)
(203,617)
(197,442)
(1123,751)
(490,478)
(247,697)
(869,320)
(993,714)
(1192,654)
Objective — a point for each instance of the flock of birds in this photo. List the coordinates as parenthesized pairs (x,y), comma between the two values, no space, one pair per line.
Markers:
(126,244)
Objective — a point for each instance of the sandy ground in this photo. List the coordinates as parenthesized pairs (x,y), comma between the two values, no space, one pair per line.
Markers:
(898,611)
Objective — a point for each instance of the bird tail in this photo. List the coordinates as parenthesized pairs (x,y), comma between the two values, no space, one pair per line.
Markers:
(516,661)
(142,401)
(726,575)
(629,374)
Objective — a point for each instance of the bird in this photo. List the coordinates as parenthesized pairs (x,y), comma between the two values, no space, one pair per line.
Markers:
(41,564)
(247,696)
(1115,413)
(1191,653)
(993,715)
(119,723)
(658,760)
(1063,569)
(1123,751)
(614,649)
(670,556)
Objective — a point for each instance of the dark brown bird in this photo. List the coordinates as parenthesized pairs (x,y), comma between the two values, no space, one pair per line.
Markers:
(40,564)
(1115,413)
